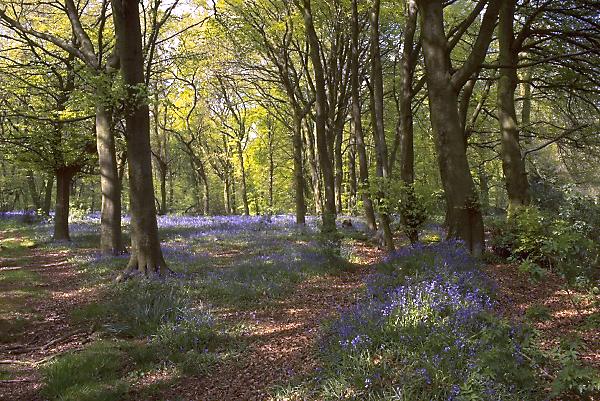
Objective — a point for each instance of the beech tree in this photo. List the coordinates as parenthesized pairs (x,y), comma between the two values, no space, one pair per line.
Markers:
(443,85)
(146,254)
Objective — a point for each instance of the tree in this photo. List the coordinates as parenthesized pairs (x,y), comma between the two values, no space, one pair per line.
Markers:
(102,64)
(146,256)
(444,84)
(363,167)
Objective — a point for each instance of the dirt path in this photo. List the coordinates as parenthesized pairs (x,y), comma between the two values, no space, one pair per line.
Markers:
(282,341)
(52,290)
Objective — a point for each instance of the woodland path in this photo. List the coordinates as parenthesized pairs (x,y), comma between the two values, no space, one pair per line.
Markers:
(283,339)
(43,300)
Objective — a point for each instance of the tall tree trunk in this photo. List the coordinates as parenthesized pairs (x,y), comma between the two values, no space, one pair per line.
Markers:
(35,197)
(48,195)
(272,174)
(363,168)
(162,176)
(314,169)
(352,181)
(378,124)
(339,168)
(464,217)
(227,194)
(240,154)
(232,189)
(484,187)
(405,123)
(111,239)
(205,187)
(513,166)
(323,139)
(64,176)
(298,171)
(146,256)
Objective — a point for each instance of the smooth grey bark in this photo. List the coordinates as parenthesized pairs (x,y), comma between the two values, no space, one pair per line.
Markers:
(464,216)
(363,167)
(111,239)
(321,108)
(146,256)
(513,165)
(381,150)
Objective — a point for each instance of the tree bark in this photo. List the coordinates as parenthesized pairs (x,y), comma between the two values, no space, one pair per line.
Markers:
(513,165)
(378,124)
(323,139)
(408,62)
(352,179)
(48,195)
(405,123)
(464,217)
(146,256)
(64,176)
(111,240)
(35,197)
(363,167)
(314,169)
(240,154)
(298,171)
(339,169)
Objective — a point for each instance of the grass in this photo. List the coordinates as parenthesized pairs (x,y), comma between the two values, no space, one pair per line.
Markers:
(90,375)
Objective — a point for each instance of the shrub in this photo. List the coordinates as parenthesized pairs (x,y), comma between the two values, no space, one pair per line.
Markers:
(537,240)
(425,331)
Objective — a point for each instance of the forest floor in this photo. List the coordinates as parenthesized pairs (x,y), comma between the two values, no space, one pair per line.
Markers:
(53,300)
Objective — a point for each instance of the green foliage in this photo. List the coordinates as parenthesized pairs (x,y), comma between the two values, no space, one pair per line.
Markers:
(572,378)
(540,241)
(395,197)
(537,313)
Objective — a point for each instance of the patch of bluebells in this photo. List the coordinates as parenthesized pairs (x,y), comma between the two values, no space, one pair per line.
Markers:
(192,329)
(426,328)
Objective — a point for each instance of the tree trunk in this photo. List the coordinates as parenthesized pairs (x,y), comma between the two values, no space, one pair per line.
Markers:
(513,166)
(240,154)
(363,168)
(111,239)
(64,176)
(405,123)
(205,186)
(323,139)
(339,168)
(226,195)
(464,217)
(378,124)
(35,197)
(298,172)
(48,195)
(484,188)
(352,182)
(314,170)
(272,174)
(162,175)
(146,256)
